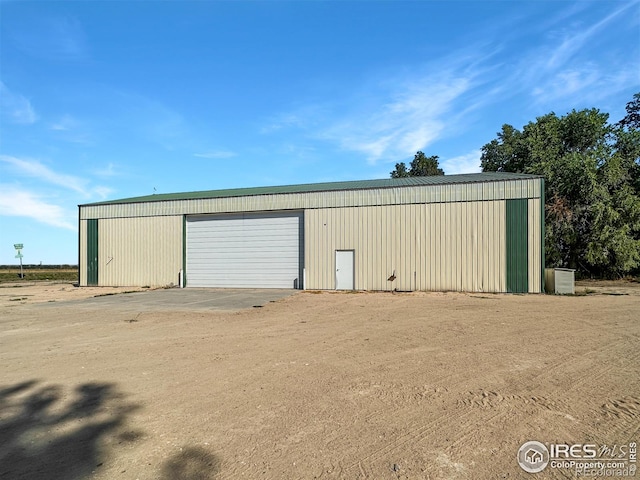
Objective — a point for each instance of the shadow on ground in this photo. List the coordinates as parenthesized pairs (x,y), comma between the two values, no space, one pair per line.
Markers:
(192,463)
(45,435)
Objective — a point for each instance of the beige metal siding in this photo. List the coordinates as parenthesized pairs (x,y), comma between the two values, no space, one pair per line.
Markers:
(534,246)
(436,237)
(139,251)
(440,246)
(83,253)
(463,192)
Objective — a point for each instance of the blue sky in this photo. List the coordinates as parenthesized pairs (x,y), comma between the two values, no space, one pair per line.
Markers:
(104,100)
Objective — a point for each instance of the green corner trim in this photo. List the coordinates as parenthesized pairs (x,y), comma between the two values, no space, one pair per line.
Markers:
(517,245)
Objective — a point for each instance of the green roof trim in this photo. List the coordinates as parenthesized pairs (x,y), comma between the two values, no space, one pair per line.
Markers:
(326,187)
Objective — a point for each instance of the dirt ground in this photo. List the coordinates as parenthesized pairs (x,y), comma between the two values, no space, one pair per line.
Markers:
(317,385)
(39,292)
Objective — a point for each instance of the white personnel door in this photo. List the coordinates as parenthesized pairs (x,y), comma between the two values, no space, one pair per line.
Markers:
(344,270)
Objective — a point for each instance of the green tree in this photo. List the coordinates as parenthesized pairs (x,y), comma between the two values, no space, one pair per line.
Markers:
(628,140)
(592,211)
(400,171)
(421,166)
(632,118)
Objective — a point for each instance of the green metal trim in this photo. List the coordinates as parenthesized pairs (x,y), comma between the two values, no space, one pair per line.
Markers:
(92,251)
(517,245)
(328,187)
(543,258)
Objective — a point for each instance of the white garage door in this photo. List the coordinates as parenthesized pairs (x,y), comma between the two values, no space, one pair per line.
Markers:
(244,250)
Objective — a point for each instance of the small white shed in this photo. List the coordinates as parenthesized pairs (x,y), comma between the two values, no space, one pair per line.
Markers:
(560,281)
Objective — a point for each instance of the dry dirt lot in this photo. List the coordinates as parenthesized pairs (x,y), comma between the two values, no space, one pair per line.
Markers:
(317,385)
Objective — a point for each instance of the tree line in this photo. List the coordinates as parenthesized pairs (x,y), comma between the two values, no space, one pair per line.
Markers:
(591,169)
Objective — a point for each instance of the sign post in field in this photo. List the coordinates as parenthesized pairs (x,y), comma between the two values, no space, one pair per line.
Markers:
(19,247)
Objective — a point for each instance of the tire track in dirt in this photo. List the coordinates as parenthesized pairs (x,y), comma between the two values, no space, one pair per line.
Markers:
(596,372)
(377,400)
(401,397)
(412,435)
(586,374)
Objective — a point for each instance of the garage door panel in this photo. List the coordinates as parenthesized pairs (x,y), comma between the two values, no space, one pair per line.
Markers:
(244,250)
(243,243)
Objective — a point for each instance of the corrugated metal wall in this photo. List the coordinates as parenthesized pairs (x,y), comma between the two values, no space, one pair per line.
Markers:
(536,246)
(82,253)
(496,190)
(440,246)
(139,251)
(443,237)
(517,245)
(92,252)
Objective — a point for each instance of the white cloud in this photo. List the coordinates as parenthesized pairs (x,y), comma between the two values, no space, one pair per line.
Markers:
(67,128)
(218,154)
(108,171)
(285,120)
(35,169)
(102,192)
(304,117)
(21,203)
(589,84)
(64,123)
(391,115)
(16,108)
(564,70)
(577,39)
(400,113)
(467,163)
(568,83)
(407,118)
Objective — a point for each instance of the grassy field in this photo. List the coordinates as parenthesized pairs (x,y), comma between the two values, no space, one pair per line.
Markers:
(64,273)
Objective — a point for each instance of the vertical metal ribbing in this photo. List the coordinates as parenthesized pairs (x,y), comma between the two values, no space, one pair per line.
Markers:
(92,252)
(517,246)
